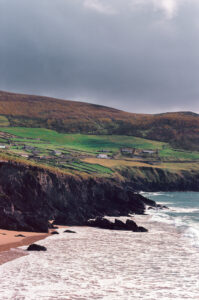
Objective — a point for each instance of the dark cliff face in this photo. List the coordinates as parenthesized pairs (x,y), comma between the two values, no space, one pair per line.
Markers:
(30,196)
(156,179)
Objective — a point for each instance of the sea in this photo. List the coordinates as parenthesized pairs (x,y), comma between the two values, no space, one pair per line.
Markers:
(115,265)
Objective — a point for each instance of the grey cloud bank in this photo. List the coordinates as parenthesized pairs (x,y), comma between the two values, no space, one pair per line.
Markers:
(139,56)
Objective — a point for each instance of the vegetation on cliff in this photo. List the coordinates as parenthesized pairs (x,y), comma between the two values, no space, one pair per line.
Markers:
(31,196)
(71,161)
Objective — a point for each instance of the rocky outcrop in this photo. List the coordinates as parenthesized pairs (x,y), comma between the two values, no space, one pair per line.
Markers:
(30,196)
(69,231)
(35,247)
(104,223)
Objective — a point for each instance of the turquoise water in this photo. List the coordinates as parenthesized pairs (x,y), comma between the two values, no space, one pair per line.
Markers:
(183,211)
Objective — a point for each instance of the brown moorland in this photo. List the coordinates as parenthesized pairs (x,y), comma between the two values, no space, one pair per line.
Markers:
(180,129)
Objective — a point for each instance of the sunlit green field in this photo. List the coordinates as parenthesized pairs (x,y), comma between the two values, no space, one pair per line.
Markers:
(94,143)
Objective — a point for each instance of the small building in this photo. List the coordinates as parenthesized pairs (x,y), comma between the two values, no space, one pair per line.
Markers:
(103,156)
(2,147)
(148,151)
(127,150)
(25,155)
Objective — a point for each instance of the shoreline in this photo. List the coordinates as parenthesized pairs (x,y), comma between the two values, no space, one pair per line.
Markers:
(117,264)
(10,241)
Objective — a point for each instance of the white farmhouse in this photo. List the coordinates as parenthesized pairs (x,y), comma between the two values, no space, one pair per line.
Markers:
(104,156)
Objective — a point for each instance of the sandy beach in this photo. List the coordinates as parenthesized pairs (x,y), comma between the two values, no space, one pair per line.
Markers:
(10,240)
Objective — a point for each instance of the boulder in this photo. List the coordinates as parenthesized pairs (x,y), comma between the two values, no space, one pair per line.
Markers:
(161,206)
(150,208)
(20,235)
(69,231)
(119,225)
(54,232)
(131,225)
(36,247)
(101,223)
(142,229)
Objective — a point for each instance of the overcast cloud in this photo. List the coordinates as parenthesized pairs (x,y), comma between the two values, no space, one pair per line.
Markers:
(136,55)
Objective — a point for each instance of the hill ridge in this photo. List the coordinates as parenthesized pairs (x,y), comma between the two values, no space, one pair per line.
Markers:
(180,129)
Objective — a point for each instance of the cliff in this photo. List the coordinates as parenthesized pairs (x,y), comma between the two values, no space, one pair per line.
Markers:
(151,179)
(31,196)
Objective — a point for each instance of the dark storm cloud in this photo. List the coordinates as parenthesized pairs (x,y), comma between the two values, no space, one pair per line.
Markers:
(140,56)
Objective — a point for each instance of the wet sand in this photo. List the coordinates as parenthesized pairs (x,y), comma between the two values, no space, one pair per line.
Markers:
(9,241)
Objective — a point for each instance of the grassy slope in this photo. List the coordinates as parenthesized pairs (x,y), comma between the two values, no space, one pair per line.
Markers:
(179,129)
(84,148)
(95,143)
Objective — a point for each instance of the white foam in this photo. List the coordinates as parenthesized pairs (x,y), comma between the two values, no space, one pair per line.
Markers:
(149,194)
(184,210)
(104,264)
(183,224)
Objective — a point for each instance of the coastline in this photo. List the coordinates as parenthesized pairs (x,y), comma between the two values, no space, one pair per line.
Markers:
(111,265)
(9,243)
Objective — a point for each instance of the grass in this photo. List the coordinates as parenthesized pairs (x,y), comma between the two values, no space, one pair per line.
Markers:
(94,143)
(90,143)
(114,164)
(82,150)
(4,121)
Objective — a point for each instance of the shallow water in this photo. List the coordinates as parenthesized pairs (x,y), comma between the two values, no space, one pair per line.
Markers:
(183,212)
(103,264)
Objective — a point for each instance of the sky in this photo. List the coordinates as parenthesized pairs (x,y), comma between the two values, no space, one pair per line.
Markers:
(135,55)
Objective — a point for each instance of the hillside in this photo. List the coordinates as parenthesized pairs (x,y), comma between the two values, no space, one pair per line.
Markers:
(180,129)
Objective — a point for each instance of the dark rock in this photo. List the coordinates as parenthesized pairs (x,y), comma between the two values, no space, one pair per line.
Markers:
(31,196)
(119,225)
(131,225)
(159,206)
(20,235)
(69,231)
(150,208)
(142,229)
(101,223)
(35,247)
(54,232)
(52,226)
(115,213)
(147,201)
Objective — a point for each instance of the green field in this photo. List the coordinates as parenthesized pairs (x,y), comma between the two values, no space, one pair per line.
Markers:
(74,148)
(93,143)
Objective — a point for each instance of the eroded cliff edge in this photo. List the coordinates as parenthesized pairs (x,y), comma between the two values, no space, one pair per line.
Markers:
(31,196)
